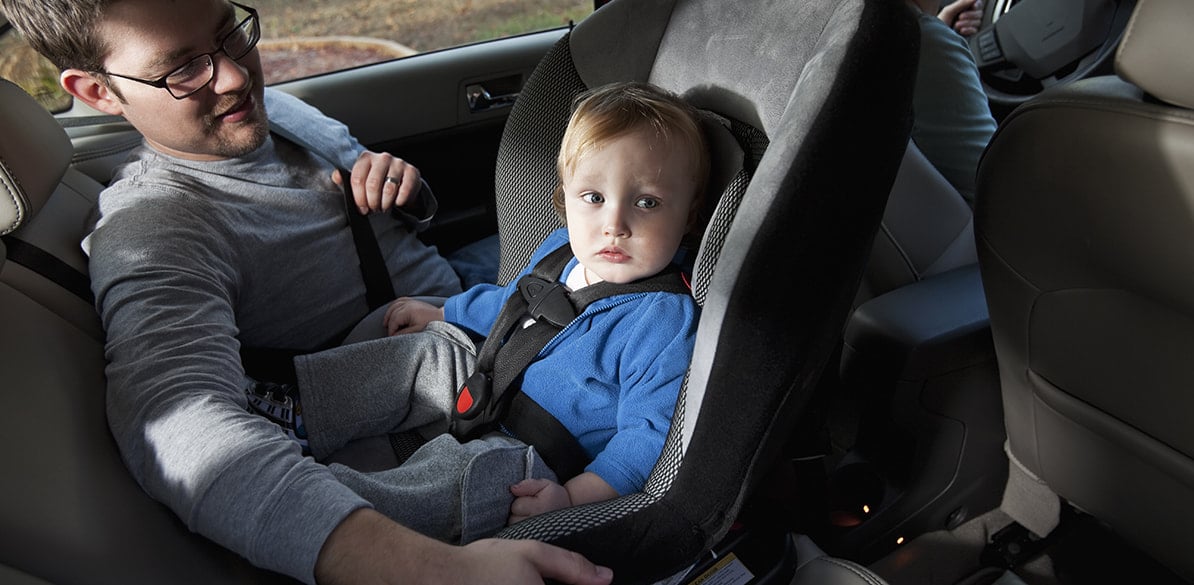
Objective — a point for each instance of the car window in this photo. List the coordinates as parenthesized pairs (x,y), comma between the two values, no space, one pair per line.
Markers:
(301,38)
(21,65)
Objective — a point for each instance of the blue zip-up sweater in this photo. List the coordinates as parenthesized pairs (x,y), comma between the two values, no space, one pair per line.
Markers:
(611,376)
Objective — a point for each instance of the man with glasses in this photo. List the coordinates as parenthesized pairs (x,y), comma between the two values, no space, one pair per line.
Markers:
(216,234)
(198,72)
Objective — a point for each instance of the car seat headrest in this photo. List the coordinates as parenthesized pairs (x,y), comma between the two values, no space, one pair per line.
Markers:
(726,156)
(34,154)
(1155,52)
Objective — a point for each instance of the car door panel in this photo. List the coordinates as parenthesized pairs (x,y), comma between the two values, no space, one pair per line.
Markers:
(418,109)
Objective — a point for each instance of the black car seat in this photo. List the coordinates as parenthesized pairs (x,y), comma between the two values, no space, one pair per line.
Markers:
(816,95)
(69,510)
(808,214)
(1085,216)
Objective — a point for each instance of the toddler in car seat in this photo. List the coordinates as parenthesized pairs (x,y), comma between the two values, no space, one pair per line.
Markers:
(633,167)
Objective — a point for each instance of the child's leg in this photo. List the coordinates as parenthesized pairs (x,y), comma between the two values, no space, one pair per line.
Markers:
(382,386)
(451,491)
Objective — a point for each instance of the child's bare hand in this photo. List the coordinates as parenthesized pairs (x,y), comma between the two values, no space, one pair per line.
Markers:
(407,315)
(536,496)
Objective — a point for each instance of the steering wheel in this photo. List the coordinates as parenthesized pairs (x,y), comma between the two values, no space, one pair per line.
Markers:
(1026,46)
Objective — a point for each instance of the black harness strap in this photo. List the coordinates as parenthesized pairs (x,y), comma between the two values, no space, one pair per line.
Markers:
(533,425)
(490,398)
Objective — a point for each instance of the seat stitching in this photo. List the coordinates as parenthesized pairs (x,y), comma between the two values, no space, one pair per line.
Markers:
(12,186)
(864,574)
(901,251)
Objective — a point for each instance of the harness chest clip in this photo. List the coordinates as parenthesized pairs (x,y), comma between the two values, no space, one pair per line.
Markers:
(547,300)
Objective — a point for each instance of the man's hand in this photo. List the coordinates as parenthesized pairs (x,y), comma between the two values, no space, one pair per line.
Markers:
(381,181)
(372,549)
(407,315)
(526,561)
(964,16)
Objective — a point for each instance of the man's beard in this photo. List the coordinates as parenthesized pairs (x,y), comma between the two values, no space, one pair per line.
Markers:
(236,144)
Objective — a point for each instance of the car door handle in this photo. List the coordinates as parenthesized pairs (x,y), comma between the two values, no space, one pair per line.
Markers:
(479,98)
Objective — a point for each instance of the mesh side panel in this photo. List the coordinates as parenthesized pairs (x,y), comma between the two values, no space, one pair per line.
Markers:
(715,234)
(754,143)
(526,161)
(668,466)
(553,525)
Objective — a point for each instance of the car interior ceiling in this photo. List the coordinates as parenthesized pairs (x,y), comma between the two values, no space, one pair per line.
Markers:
(885,442)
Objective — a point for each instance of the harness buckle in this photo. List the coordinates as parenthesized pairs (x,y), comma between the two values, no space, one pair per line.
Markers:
(474,396)
(474,402)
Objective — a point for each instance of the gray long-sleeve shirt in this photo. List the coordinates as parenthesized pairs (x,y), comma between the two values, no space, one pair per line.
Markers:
(187,258)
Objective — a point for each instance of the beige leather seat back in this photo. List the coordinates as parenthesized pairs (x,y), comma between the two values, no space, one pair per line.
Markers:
(44,204)
(69,510)
(1085,223)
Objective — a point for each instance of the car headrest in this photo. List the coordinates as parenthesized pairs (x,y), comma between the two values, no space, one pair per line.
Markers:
(1156,48)
(34,154)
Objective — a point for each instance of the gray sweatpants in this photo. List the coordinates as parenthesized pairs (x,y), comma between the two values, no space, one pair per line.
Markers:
(451,491)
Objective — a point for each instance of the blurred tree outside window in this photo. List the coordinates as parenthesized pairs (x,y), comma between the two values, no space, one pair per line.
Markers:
(301,38)
(37,76)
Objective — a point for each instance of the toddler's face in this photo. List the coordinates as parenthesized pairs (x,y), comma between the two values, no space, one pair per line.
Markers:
(628,205)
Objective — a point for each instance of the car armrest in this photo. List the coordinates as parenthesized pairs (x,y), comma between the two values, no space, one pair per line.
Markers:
(936,325)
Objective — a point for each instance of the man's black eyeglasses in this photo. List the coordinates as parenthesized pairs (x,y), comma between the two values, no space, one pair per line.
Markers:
(198,72)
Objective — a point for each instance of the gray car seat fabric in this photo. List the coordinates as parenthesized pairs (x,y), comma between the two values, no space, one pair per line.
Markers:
(1085,216)
(779,267)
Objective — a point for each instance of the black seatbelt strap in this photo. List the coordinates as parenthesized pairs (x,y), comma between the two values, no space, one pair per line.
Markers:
(379,289)
(277,364)
(48,266)
(490,398)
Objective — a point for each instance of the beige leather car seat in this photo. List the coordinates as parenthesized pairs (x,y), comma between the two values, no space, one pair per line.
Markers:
(69,511)
(1085,223)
